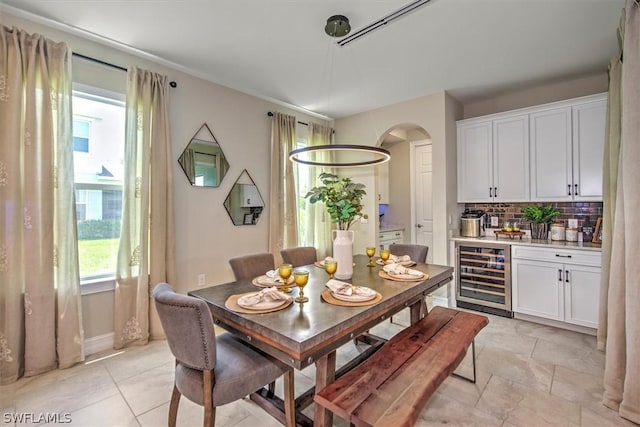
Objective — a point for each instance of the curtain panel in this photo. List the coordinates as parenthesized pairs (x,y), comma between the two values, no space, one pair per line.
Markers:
(146,254)
(620,317)
(41,324)
(283,223)
(317,221)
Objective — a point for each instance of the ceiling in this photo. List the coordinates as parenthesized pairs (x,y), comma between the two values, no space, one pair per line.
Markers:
(278,50)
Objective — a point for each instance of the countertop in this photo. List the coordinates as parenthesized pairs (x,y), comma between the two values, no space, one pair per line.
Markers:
(587,246)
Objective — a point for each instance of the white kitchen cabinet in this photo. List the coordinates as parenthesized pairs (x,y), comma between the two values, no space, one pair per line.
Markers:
(556,284)
(385,238)
(493,159)
(567,147)
(383,183)
(250,196)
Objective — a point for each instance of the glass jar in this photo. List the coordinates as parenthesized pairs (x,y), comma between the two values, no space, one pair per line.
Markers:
(557,231)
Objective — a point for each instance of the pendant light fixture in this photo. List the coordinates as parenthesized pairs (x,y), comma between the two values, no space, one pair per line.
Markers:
(349,155)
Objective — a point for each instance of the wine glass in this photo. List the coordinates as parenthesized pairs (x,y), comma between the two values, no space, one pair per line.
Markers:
(285,272)
(371,251)
(300,278)
(384,255)
(330,267)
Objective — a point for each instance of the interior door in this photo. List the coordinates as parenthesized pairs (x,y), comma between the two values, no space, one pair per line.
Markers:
(423,197)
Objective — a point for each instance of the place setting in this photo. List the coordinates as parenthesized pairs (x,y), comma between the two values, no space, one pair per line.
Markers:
(281,278)
(347,294)
(400,273)
(386,258)
(264,301)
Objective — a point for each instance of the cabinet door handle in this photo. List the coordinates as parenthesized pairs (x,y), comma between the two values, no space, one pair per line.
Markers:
(563,256)
(559,275)
(575,192)
(566,276)
(568,189)
(490,195)
(495,191)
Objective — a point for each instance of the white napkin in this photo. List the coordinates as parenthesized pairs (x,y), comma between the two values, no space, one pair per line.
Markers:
(399,258)
(329,259)
(344,288)
(397,269)
(274,276)
(271,294)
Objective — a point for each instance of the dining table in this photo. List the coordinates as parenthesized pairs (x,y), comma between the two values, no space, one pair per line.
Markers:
(308,333)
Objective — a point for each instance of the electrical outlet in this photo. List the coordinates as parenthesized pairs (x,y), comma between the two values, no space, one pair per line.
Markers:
(494,221)
(364,220)
(202,279)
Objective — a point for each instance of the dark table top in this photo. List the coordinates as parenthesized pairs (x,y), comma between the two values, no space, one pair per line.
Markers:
(301,333)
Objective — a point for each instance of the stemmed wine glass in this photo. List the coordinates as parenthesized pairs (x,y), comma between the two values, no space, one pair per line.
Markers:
(330,267)
(285,272)
(300,278)
(384,255)
(371,251)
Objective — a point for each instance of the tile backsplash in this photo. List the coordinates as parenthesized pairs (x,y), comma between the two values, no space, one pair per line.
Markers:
(584,212)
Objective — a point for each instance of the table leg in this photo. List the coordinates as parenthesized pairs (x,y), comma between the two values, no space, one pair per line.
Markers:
(325,374)
(289,399)
(418,310)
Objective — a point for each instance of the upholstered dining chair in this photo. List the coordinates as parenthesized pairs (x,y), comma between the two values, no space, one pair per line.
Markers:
(212,370)
(250,266)
(302,255)
(417,253)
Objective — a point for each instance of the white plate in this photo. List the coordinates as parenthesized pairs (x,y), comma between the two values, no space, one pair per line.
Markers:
(354,298)
(262,305)
(402,263)
(265,280)
(405,276)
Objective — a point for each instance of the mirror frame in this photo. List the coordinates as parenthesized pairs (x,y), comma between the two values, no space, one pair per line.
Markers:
(224,162)
(253,213)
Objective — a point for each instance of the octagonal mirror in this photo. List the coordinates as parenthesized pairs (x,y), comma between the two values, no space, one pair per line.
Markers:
(203,161)
(244,203)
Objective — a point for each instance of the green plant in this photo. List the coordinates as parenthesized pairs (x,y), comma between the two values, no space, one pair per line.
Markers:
(342,198)
(539,214)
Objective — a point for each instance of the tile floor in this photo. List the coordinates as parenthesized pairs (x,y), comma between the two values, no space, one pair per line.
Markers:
(528,375)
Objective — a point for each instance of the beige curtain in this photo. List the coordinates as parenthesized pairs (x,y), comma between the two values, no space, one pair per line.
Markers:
(147,245)
(317,221)
(282,202)
(620,317)
(40,321)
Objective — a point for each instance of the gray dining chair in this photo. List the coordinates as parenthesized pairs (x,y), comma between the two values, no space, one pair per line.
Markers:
(417,253)
(250,266)
(302,255)
(213,370)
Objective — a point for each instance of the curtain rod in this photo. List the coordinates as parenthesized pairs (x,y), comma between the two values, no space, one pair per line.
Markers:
(270,114)
(109,64)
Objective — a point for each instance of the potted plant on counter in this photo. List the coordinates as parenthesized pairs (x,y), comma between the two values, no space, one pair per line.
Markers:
(343,200)
(540,218)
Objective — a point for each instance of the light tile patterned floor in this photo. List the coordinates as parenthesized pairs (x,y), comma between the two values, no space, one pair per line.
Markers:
(528,375)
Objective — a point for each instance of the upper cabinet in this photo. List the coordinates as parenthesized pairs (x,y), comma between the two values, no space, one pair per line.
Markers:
(551,152)
(493,159)
(567,148)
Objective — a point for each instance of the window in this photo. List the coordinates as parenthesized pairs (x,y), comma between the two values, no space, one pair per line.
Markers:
(81,131)
(98,145)
(302,181)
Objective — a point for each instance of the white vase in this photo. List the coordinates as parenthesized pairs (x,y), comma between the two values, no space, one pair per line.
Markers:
(343,253)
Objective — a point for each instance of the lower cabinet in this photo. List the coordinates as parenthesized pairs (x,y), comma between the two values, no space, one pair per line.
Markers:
(388,237)
(556,284)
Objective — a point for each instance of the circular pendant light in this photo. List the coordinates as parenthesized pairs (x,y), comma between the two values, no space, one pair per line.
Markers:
(349,155)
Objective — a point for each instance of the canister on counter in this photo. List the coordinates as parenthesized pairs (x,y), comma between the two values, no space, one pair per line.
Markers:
(557,231)
(571,234)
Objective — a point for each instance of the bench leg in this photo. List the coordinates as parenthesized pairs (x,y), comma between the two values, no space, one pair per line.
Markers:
(473,363)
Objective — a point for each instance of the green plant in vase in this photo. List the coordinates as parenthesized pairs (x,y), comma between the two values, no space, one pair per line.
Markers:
(342,198)
(540,218)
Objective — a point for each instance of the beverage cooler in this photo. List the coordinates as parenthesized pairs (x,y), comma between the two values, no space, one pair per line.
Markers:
(483,277)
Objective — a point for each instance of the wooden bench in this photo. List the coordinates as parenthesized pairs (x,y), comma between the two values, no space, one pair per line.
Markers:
(392,386)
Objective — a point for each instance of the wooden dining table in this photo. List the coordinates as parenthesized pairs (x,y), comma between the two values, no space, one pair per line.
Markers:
(311,332)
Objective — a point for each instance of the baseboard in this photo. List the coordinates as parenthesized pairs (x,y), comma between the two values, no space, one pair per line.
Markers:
(98,343)
(557,324)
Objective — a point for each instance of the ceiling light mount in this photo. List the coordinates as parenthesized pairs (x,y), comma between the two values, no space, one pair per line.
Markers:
(337,26)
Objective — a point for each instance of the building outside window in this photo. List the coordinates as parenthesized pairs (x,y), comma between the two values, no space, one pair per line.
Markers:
(98,144)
